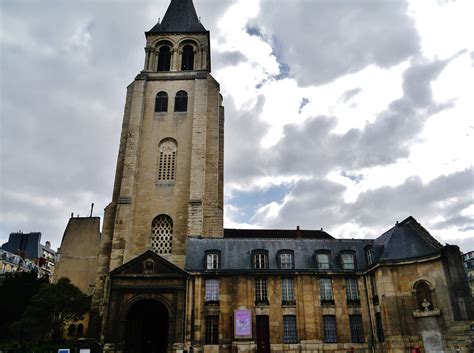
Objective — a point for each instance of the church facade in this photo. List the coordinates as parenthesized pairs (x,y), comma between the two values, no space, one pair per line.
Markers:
(170,278)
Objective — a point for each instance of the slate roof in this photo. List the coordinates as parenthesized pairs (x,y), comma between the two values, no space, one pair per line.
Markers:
(236,253)
(180,17)
(406,240)
(275,233)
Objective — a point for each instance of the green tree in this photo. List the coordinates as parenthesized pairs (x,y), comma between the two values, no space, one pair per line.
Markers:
(49,310)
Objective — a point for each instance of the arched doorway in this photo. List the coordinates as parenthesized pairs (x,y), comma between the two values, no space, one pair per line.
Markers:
(146,328)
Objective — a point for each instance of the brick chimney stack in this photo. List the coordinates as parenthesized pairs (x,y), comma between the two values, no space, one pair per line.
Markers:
(298,234)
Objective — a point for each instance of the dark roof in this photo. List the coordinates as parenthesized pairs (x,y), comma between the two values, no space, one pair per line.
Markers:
(275,233)
(180,17)
(236,253)
(406,240)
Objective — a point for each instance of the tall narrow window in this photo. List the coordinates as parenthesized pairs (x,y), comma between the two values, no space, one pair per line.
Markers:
(287,291)
(181,102)
(162,234)
(167,162)
(212,290)
(326,291)
(329,327)
(164,58)
(261,295)
(352,291)
(379,324)
(161,102)
(373,287)
(323,261)
(187,61)
(212,330)
(357,328)
(370,258)
(289,329)
(348,261)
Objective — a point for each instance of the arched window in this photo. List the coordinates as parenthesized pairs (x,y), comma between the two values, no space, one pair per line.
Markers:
(167,161)
(164,58)
(423,296)
(181,102)
(187,60)
(71,330)
(80,330)
(162,234)
(161,102)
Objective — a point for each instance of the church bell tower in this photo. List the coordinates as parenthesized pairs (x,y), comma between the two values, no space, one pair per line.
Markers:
(169,175)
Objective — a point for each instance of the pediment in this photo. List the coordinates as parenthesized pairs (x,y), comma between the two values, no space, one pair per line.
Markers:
(149,264)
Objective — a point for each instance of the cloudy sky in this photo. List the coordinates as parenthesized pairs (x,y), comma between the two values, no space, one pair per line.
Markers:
(342,115)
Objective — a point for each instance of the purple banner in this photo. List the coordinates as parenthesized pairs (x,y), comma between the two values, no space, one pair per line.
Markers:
(243,323)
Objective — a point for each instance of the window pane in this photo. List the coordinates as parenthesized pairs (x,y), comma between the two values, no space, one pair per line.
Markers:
(348,261)
(261,290)
(187,59)
(212,330)
(352,290)
(329,326)
(164,59)
(212,261)
(357,329)
(212,290)
(370,260)
(161,102)
(323,261)
(289,329)
(325,289)
(260,261)
(181,102)
(286,261)
(287,289)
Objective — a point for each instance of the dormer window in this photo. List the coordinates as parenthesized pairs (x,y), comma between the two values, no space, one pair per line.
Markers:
(368,254)
(348,261)
(260,260)
(285,259)
(212,260)
(323,260)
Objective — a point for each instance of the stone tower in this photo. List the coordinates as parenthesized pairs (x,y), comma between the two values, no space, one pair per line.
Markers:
(169,174)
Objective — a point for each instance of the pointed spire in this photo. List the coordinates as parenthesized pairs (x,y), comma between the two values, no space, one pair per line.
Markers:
(180,17)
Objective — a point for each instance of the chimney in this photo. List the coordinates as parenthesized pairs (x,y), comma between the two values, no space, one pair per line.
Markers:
(298,234)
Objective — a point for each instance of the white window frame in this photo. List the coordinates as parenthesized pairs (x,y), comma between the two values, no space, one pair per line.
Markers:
(260,261)
(323,265)
(212,290)
(287,290)
(212,261)
(326,292)
(348,265)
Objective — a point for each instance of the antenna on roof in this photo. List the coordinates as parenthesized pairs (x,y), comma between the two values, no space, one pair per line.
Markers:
(92,208)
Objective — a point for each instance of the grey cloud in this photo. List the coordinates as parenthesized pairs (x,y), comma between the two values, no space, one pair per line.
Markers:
(349,94)
(312,148)
(339,37)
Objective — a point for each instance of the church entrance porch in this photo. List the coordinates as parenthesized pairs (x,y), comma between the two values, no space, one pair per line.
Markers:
(147,328)
(145,308)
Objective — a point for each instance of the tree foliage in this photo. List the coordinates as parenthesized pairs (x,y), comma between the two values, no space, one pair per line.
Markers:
(16,292)
(49,310)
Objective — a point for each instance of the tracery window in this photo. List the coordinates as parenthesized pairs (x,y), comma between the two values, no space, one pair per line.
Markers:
(167,161)
(181,102)
(187,59)
(162,234)
(161,102)
(164,58)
